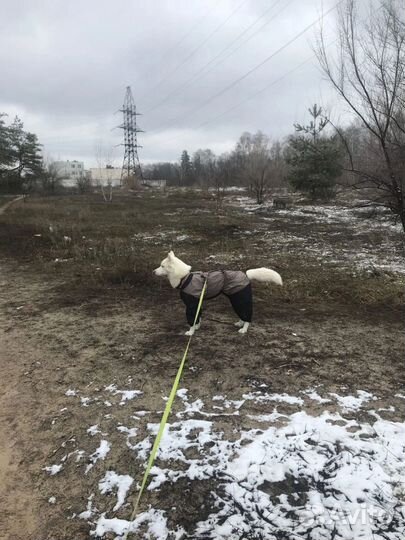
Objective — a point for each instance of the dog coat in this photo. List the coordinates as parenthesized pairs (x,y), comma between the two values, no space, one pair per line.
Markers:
(232,283)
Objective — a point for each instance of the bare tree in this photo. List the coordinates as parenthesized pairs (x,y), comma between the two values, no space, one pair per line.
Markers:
(52,177)
(253,156)
(105,167)
(368,72)
(278,168)
(83,183)
(204,167)
(222,174)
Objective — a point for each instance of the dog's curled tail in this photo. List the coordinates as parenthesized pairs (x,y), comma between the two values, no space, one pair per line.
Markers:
(264,275)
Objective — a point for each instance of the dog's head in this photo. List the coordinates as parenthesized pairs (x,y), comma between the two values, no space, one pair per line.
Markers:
(166,266)
(173,268)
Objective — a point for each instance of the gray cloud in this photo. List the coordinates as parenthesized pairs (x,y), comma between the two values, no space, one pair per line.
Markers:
(65,66)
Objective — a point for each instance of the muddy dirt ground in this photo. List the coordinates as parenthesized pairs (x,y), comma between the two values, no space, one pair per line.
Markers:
(52,341)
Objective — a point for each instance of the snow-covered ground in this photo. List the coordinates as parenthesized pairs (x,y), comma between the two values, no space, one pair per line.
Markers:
(332,234)
(349,240)
(318,465)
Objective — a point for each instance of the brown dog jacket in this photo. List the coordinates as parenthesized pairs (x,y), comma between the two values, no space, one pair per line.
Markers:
(233,283)
(227,282)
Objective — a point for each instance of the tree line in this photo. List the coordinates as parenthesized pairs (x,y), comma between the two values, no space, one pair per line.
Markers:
(309,161)
(366,67)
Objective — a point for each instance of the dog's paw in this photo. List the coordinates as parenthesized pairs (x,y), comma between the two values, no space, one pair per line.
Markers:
(243,331)
(239,324)
(189,332)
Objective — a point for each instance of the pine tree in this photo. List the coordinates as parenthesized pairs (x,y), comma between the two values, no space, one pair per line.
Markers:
(314,158)
(20,156)
(6,154)
(186,170)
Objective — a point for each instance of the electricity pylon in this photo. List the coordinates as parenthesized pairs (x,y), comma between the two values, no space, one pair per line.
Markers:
(131,167)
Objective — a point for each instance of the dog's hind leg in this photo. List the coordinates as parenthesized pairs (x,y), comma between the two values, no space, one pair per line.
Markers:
(242,303)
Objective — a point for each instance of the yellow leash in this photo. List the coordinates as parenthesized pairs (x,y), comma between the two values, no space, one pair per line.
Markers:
(165,416)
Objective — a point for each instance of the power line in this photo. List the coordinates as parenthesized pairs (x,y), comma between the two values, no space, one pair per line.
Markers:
(272,83)
(255,68)
(198,23)
(255,94)
(179,42)
(196,49)
(196,75)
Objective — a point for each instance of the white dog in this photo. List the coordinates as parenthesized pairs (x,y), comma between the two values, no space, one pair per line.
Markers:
(234,284)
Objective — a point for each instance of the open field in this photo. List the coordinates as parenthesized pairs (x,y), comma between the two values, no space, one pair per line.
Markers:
(295,430)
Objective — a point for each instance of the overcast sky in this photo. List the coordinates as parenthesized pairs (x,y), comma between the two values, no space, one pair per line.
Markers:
(65,65)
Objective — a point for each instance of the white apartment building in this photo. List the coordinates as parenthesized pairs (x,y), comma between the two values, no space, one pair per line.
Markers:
(69,171)
(105,176)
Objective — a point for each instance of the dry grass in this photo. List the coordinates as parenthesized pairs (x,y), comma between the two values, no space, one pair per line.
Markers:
(93,246)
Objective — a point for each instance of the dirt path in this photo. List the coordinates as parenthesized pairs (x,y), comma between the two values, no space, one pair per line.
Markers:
(8,204)
(19,501)
(49,347)
(24,404)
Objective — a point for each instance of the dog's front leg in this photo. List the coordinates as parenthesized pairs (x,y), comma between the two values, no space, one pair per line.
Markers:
(193,329)
(191,311)
(244,328)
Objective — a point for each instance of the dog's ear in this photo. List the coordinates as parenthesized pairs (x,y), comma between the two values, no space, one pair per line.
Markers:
(170,255)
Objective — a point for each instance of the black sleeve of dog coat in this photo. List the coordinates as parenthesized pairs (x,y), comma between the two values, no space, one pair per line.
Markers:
(191,303)
(242,303)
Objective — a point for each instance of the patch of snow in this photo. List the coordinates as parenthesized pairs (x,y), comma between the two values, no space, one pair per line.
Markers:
(126,395)
(352,403)
(267,418)
(93,430)
(89,511)
(191,408)
(182,394)
(313,394)
(131,432)
(260,397)
(112,480)
(140,413)
(155,521)
(385,254)
(79,455)
(100,453)
(53,469)
(218,398)
(299,476)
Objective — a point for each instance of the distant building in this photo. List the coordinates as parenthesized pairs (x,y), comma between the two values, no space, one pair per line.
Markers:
(105,176)
(69,171)
(159,184)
